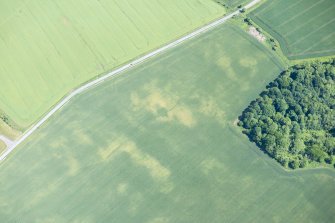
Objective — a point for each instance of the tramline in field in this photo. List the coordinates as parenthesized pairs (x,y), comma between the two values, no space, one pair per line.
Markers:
(304,28)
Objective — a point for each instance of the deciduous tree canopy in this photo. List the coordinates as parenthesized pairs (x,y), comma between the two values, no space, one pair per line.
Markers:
(293,120)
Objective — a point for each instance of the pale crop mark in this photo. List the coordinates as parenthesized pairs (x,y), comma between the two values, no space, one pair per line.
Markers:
(122,188)
(73,165)
(165,106)
(107,152)
(225,64)
(210,108)
(209,165)
(180,114)
(157,171)
(159,220)
(248,62)
(42,194)
(82,136)
(58,142)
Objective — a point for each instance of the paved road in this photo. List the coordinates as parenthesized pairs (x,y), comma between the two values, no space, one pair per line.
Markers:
(118,71)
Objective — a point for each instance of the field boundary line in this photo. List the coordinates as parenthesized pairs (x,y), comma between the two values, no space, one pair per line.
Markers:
(272,32)
(279,63)
(122,69)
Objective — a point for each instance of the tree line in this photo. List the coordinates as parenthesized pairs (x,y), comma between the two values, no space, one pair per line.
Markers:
(293,120)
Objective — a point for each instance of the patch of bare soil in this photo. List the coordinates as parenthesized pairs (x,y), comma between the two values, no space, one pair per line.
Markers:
(259,36)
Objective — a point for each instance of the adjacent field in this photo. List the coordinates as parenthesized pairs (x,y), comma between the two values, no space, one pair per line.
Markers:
(304,28)
(2,146)
(158,144)
(49,47)
(231,3)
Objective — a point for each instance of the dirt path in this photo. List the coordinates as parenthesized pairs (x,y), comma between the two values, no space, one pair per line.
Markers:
(7,141)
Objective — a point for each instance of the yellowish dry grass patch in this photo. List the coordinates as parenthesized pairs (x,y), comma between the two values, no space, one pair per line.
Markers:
(211,164)
(210,108)
(163,105)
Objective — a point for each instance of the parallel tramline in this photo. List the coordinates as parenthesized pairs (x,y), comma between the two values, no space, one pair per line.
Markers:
(304,28)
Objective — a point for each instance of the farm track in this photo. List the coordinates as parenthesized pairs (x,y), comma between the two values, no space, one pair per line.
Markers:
(6,140)
(118,71)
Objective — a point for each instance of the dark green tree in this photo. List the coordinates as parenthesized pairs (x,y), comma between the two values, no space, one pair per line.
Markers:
(293,120)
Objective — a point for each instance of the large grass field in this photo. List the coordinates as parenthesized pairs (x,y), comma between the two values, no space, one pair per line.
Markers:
(304,28)
(158,144)
(49,47)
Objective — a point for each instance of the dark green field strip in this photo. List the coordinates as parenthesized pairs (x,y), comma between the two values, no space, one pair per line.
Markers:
(329,37)
(305,20)
(265,8)
(298,25)
(274,10)
(321,36)
(305,24)
(317,28)
(297,12)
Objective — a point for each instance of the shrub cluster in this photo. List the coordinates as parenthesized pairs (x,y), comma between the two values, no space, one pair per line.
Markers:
(293,120)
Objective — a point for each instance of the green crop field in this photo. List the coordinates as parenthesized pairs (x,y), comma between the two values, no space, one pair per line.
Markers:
(159,144)
(48,47)
(2,146)
(304,28)
(231,3)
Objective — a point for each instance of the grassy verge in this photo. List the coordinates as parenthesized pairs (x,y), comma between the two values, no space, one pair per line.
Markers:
(8,128)
(2,147)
